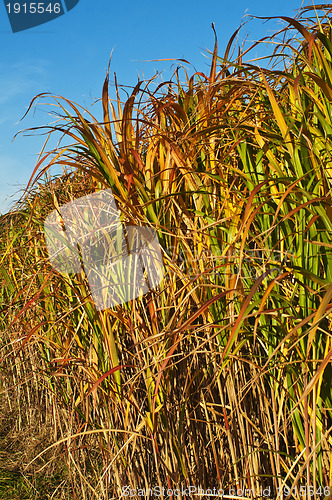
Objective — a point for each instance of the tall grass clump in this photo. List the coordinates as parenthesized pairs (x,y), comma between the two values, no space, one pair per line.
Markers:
(220,377)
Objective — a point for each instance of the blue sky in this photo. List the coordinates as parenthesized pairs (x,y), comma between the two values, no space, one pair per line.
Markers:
(69,56)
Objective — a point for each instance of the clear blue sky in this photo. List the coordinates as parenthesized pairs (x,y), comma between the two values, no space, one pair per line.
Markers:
(69,56)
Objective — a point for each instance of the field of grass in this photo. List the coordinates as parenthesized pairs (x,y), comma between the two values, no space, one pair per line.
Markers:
(221,376)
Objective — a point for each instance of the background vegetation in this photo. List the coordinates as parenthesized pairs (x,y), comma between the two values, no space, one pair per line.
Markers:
(221,377)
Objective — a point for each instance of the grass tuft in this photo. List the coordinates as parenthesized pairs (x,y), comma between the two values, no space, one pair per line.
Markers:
(220,377)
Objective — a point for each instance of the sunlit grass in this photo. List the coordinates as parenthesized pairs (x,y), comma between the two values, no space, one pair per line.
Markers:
(221,376)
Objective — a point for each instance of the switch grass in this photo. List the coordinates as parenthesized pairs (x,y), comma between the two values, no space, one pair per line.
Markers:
(221,376)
